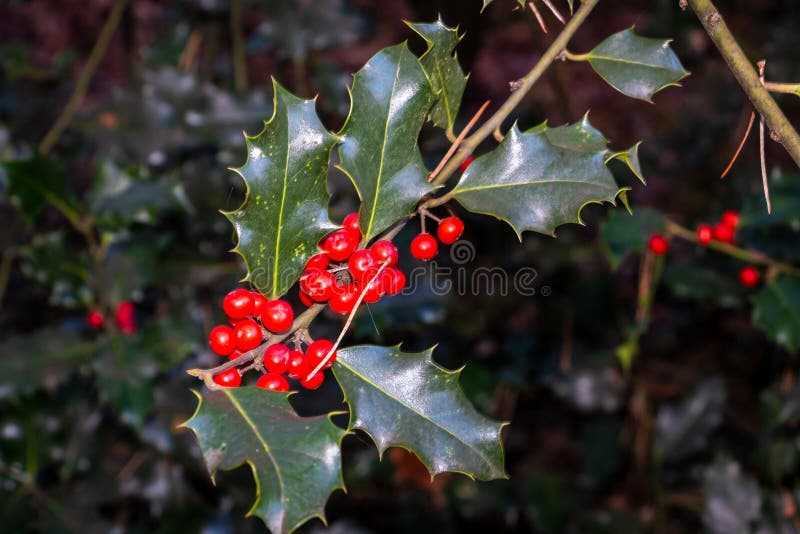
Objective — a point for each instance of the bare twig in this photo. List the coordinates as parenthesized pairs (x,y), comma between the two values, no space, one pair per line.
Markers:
(458,140)
(555,11)
(238,49)
(741,145)
(762,65)
(538,16)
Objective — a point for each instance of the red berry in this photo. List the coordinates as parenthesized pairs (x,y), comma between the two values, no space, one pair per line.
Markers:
(341,243)
(318,261)
(731,219)
(318,285)
(344,299)
(247,335)
(466,163)
(317,351)
(95,319)
(125,317)
(705,234)
(221,340)
(723,233)
(351,223)
(297,366)
(277,316)
(238,304)
(658,245)
(259,302)
(276,358)
(273,382)
(449,230)
(749,276)
(314,381)
(235,354)
(229,379)
(374,289)
(393,281)
(385,250)
(305,299)
(362,265)
(424,247)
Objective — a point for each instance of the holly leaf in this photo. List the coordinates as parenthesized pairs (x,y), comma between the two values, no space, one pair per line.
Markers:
(406,400)
(285,212)
(296,461)
(390,98)
(623,233)
(540,179)
(630,158)
(776,311)
(636,66)
(446,77)
(35,182)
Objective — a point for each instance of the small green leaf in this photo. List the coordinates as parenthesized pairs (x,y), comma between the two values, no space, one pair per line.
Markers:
(623,233)
(406,400)
(776,311)
(636,66)
(35,182)
(296,461)
(285,212)
(447,78)
(540,179)
(391,97)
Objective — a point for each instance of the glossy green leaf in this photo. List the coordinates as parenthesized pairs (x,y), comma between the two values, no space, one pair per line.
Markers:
(622,233)
(406,400)
(630,158)
(285,212)
(391,97)
(776,311)
(35,182)
(296,461)
(447,78)
(540,179)
(636,66)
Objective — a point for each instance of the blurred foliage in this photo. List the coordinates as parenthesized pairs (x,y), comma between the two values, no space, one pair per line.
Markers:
(702,434)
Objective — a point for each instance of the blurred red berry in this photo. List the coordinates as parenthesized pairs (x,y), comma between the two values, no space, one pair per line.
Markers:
(658,245)
(723,233)
(705,234)
(125,317)
(749,276)
(95,319)
(730,218)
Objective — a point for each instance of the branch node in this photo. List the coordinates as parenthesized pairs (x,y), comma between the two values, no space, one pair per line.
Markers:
(683,4)
(775,136)
(712,20)
(514,85)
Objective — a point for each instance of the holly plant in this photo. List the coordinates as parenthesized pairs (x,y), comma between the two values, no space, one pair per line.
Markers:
(537,178)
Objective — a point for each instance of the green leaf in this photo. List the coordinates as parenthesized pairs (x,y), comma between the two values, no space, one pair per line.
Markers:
(630,158)
(406,400)
(35,182)
(447,78)
(776,311)
(285,212)
(296,461)
(49,260)
(622,233)
(391,97)
(636,66)
(540,179)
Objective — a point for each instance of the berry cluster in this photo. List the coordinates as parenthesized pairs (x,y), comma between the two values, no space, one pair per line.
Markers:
(124,318)
(251,316)
(723,231)
(340,273)
(425,247)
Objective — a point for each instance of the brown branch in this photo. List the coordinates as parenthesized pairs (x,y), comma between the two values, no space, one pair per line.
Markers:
(746,75)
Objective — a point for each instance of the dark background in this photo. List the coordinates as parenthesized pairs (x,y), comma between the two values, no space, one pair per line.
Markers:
(687,441)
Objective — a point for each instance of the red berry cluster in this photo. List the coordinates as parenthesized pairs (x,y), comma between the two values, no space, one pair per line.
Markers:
(124,318)
(424,247)
(250,314)
(340,273)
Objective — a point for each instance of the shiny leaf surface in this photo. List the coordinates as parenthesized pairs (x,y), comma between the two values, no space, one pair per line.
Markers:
(405,400)
(391,97)
(776,311)
(540,179)
(636,66)
(285,212)
(296,461)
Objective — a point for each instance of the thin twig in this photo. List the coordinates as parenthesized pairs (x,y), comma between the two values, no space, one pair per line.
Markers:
(85,78)
(238,49)
(762,65)
(741,145)
(555,11)
(786,88)
(458,140)
(538,16)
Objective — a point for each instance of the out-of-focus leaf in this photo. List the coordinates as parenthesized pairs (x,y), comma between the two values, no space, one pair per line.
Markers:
(732,499)
(600,439)
(37,181)
(285,212)
(540,179)
(391,97)
(441,64)
(296,461)
(684,429)
(622,233)
(406,400)
(547,504)
(776,311)
(63,271)
(636,66)
(702,284)
(784,190)
(591,389)
(41,359)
